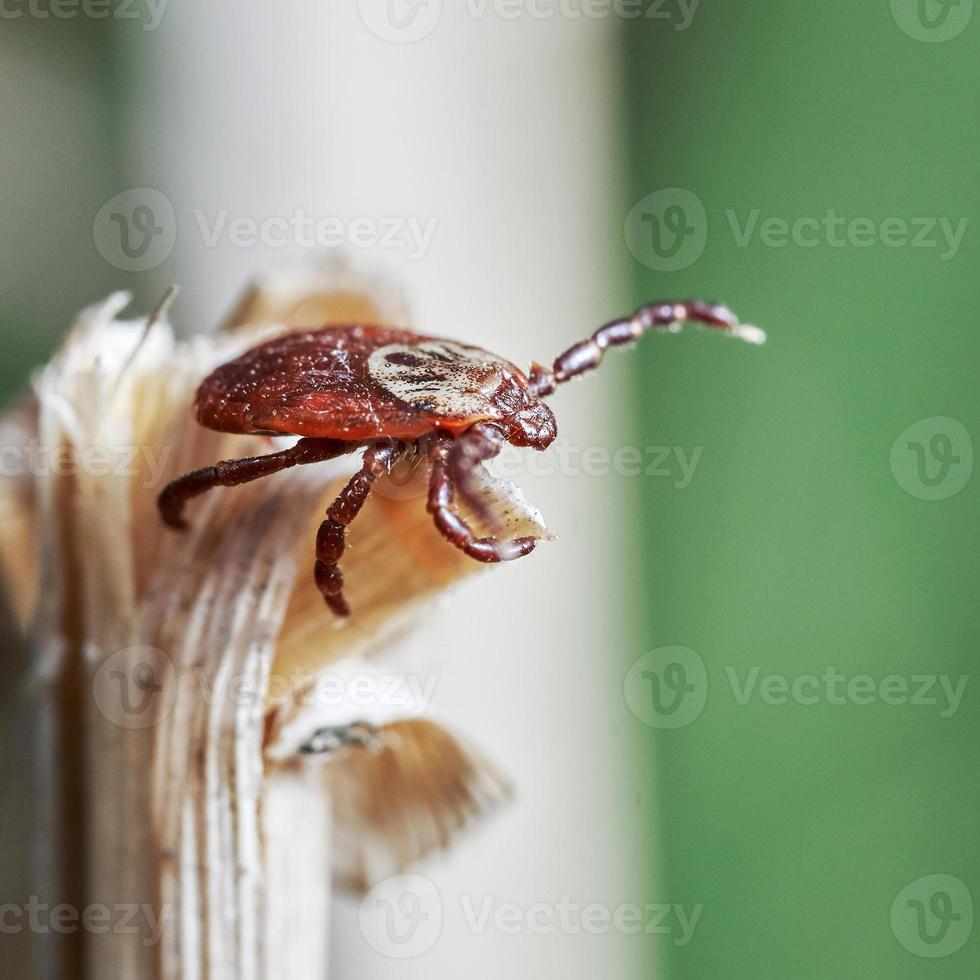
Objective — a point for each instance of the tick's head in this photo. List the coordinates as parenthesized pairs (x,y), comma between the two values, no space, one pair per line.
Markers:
(534,426)
(525,419)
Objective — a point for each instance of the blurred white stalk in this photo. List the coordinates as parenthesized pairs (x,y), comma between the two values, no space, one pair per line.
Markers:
(505,132)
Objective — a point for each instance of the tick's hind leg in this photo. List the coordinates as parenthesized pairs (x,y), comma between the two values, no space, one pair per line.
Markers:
(330,538)
(233,472)
(454,529)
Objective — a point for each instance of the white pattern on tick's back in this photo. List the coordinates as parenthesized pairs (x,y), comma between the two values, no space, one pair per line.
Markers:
(440,376)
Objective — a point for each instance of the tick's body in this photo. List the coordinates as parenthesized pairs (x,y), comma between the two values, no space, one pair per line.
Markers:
(361,383)
(342,388)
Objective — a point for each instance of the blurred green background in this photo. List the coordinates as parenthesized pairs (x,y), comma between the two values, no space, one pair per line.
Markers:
(797,547)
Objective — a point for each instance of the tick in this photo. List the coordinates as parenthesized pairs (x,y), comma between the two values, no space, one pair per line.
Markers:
(396,393)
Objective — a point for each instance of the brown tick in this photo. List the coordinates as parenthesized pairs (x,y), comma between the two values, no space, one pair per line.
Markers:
(347,387)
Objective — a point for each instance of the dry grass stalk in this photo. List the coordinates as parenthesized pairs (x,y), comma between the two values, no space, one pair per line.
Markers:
(166,777)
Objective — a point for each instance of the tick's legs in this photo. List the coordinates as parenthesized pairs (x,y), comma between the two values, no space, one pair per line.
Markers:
(454,529)
(586,355)
(478,444)
(330,538)
(232,472)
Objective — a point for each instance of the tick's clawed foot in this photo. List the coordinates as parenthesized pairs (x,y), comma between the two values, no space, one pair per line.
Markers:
(171,507)
(330,582)
(442,491)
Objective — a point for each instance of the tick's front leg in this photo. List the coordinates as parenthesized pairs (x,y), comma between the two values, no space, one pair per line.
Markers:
(478,445)
(664,314)
(330,539)
(454,529)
